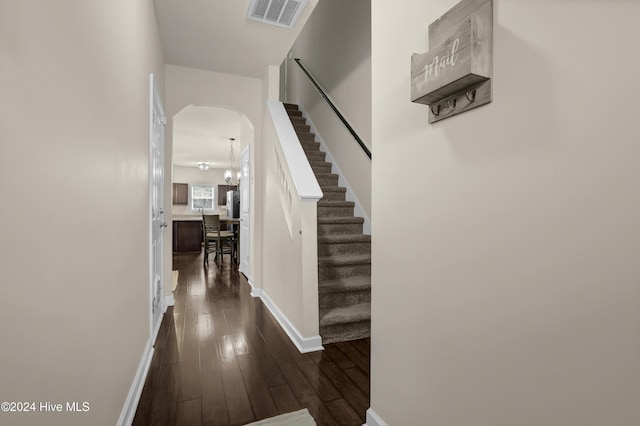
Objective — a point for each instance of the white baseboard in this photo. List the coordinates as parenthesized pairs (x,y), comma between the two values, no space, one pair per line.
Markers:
(131,403)
(304,344)
(255,292)
(373,419)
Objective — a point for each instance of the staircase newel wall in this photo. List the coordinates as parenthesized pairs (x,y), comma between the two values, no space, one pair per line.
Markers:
(309,243)
(290,276)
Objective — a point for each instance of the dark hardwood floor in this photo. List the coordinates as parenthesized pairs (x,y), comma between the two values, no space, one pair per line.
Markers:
(222,359)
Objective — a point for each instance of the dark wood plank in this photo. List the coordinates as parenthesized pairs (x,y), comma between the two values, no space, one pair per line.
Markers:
(338,357)
(359,360)
(356,398)
(190,385)
(221,358)
(214,405)
(345,347)
(360,379)
(304,392)
(323,386)
(284,398)
(362,346)
(238,405)
(189,413)
(259,396)
(343,411)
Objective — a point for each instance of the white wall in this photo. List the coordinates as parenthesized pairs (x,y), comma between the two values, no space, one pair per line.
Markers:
(74,165)
(509,294)
(188,86)
(335,46)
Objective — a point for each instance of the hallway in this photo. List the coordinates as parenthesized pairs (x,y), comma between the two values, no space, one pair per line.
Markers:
(222,359)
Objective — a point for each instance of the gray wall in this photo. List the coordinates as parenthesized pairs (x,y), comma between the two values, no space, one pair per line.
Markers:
(509,291)
(335,45)
(74,164)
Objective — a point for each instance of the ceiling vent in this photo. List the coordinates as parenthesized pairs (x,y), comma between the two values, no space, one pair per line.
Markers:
(283,13)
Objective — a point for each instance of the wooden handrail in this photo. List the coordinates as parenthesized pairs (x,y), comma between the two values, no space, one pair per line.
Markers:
(333,107)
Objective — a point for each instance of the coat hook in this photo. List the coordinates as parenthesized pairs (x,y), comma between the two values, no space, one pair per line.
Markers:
(452,103)
(437,110)
(471,95)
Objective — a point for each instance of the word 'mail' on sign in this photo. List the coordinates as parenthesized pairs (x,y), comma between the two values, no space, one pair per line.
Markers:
(459,56)
(441,63)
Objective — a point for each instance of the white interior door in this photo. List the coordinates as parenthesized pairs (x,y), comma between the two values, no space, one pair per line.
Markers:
(244,213)
(157,207)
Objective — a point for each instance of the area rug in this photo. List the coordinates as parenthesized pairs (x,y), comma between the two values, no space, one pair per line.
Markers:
(175,280)
(297,418)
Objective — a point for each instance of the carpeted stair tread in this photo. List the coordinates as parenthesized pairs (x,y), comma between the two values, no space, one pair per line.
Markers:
(347,238)
(346,314)
(336,203)
(326,175)
(297,120)
(351,259)
(344,252)
(324,220)
(347,284)
(336,189)
(300,127)
(306,136)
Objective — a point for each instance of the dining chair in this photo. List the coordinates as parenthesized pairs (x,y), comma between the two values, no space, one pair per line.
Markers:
(215,240)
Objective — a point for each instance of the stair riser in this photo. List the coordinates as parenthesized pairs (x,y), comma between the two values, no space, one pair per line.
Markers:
(297,121)
(335,249)
(333,196)
(321,169)
(310,149)
(339,228)
(333,272)
(345,332)
(304,136)
(310,145)
(301,127)
(293,113)
(330,181)
(317,156)
(331,300)
(335,211)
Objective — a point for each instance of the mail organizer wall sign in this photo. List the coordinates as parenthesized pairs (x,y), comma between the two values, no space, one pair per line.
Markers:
(455,74)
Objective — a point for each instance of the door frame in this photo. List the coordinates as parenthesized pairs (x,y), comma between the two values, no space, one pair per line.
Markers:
(155,104)
(245,216)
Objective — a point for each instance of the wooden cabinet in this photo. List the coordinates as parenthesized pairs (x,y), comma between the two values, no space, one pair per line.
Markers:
(187,236)
(222,193)
(181,193)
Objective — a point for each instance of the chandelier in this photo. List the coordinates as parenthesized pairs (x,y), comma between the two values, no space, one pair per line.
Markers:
(230,176)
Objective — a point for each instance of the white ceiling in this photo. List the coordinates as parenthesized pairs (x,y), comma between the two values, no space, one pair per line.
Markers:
(201,134)
(215,35)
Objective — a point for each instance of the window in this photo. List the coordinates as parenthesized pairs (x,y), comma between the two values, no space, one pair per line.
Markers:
(202,197)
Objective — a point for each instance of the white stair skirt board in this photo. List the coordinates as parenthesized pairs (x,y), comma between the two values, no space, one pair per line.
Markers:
(373,419)
(131,403)
(304,344)
(350,196)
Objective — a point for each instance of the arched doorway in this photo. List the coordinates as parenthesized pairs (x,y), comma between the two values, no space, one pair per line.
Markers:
(204,138)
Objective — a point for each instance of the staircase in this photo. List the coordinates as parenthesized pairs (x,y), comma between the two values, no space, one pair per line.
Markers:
(344,252)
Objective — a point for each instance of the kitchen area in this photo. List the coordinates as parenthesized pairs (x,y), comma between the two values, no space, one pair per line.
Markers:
(194,194)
